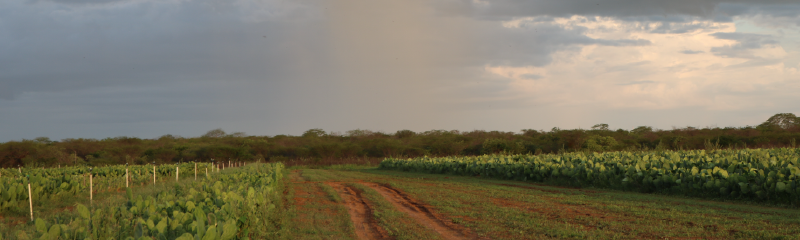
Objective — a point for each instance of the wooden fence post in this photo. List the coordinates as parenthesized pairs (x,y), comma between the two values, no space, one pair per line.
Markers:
(30,198)
(91,189)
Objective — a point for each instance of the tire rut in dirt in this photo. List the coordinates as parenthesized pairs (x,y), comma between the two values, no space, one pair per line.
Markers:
(360,213)
(422,213)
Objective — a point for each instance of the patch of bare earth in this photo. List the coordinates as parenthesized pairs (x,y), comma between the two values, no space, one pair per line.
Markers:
(360,212)
(422,213)
(300,193)
(309,200)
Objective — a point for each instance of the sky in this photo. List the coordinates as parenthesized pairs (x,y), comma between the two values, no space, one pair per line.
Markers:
(147,68)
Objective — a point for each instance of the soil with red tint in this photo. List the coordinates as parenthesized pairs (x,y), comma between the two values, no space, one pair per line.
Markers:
(361,213)
(422,213)
(308,194)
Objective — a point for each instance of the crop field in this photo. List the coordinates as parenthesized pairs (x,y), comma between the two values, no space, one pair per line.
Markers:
(381,204)
(724,194)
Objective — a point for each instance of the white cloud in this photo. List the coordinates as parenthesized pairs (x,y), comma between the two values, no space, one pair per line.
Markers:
(659,75)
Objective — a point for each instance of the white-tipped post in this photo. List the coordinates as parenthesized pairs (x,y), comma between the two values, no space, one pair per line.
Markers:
(195,171)
(176,173)
(30,199)
(154,174)
(126,176)
(91,195)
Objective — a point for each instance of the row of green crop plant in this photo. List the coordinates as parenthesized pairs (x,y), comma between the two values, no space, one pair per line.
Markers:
(764,175)
(114,170)
(236,204)
(57,183)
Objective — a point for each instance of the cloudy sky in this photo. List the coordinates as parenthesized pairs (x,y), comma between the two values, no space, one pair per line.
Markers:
(146,68)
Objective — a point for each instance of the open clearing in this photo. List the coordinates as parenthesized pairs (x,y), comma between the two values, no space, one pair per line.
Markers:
(366,203)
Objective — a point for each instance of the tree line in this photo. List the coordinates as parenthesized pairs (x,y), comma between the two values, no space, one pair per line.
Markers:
(780,130)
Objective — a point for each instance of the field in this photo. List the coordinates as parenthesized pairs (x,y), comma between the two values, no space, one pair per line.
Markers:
(365,203)
(724,194)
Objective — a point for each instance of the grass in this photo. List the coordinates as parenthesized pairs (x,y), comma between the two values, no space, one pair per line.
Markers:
(500,209)
(314,211)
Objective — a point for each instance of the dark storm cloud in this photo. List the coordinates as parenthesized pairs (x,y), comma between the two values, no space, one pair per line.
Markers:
(80,2)
(69,45)
(147,43)
(777,13)
(118,66)
(6,93)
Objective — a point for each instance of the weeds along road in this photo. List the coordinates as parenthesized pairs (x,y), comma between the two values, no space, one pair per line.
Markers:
(367,203)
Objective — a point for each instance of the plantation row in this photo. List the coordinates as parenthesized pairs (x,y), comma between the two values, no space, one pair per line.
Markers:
(232,205)
(54,183)
(768,175)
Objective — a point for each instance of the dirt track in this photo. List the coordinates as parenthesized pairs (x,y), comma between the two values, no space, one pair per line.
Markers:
(360,212)
(421,213)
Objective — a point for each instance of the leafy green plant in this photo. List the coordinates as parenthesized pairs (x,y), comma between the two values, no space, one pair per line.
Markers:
(770,175)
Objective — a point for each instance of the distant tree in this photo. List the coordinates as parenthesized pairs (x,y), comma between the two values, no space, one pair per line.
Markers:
(358,133)
(642,129)
(216,133)
(404,133)
(530,132)
(314,132)
(180,149)
(495,145)
(602,126)
(781,121)
(598,143)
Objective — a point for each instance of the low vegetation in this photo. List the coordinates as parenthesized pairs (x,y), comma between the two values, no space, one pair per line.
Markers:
(317,147)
